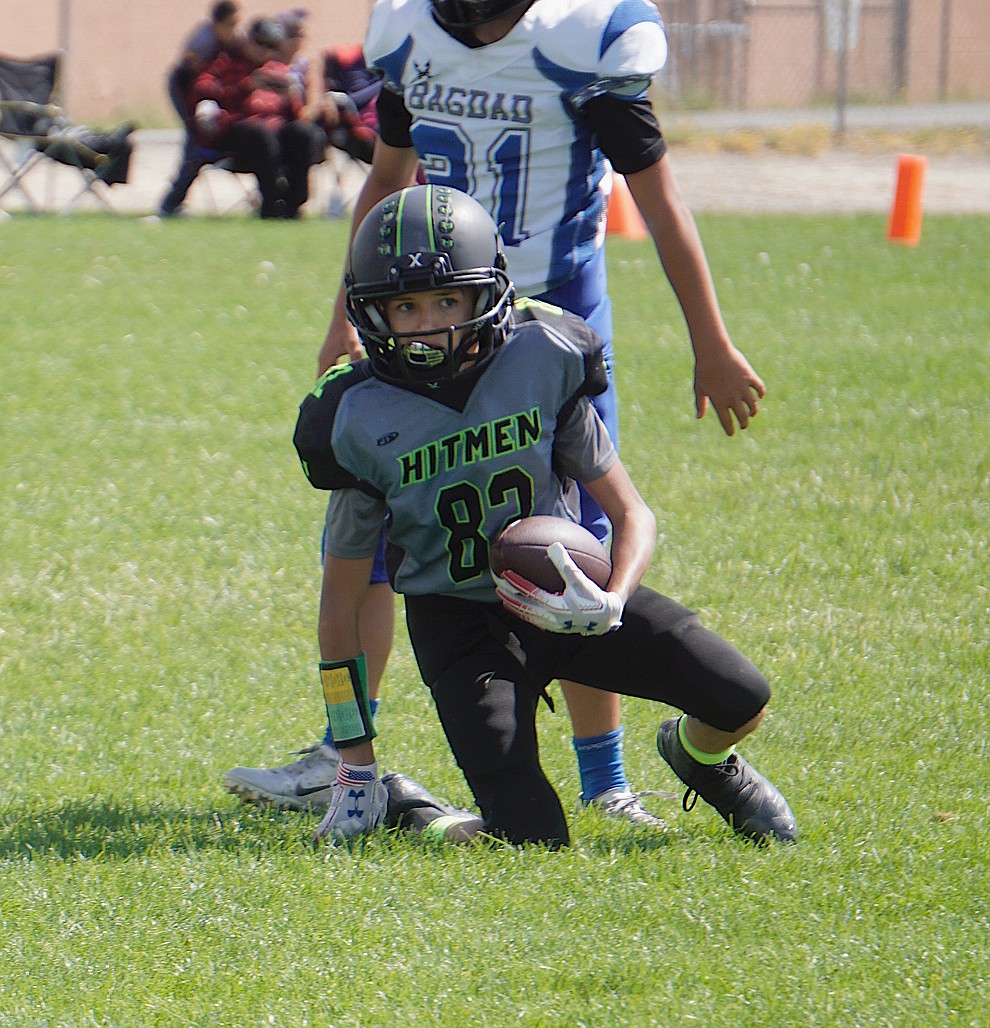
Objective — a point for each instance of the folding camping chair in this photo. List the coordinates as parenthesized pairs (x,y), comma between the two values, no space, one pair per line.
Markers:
(242,194)
(344,177)
(236,188)
(33,122)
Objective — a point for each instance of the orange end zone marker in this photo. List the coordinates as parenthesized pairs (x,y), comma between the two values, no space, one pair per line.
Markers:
(904,225)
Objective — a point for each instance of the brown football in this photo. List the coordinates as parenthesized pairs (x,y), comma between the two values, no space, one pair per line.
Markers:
(522,547)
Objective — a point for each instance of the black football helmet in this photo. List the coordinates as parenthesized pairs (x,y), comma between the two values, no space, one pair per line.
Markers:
(464,14)
(427,237)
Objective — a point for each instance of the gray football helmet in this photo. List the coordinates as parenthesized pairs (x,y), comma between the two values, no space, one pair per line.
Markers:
(427,237)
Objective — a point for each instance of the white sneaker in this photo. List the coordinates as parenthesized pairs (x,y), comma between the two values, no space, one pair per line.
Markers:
(359,802)
(623,805)
(305,785)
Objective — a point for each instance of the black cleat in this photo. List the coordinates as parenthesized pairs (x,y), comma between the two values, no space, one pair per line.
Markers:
(410,805)
(752,805)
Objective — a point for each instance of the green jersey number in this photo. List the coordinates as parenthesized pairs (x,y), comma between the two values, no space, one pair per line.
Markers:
(462,510)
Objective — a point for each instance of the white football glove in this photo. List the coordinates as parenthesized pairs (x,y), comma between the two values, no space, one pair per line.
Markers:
(357,805)
(582,608)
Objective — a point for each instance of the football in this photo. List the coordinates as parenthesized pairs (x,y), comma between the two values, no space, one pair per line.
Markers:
(522,547)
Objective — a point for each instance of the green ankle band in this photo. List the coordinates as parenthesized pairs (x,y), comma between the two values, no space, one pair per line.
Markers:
(436,831)
(699,755)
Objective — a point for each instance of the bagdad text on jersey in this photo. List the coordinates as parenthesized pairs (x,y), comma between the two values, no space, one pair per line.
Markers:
(436,98)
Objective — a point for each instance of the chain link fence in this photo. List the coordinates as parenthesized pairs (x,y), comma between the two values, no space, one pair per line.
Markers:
(749,54)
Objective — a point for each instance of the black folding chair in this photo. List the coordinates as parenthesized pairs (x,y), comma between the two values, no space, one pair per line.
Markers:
(196,167)
(35,127)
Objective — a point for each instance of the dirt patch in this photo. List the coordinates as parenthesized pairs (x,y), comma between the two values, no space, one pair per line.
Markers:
(800,166)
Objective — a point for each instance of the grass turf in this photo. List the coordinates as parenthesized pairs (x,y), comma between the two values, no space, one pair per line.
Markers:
(158,582)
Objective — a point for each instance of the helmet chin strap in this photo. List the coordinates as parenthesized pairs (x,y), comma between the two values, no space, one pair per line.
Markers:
(376,317)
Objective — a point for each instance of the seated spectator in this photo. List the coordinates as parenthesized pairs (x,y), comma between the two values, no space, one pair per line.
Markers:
(203,46)
(349,114)
(290,52)
(276,93)
(249,107)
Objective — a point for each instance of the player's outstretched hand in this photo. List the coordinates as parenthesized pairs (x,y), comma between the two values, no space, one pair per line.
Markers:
(581,609)
(733,387)
(356,806)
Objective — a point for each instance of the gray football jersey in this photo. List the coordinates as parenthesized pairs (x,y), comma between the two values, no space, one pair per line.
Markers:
(450,480)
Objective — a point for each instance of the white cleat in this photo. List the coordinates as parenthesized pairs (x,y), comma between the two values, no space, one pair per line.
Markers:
(623,805)
(357,807)
(305,785)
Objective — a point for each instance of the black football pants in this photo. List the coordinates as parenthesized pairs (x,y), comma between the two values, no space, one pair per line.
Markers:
(487,670)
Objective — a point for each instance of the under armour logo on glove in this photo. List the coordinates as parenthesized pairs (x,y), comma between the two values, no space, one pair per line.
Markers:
(581,609)
(355,795)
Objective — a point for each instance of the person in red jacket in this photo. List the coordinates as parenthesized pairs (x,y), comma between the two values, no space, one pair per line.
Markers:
(202,46)
(249,107)
(350,98)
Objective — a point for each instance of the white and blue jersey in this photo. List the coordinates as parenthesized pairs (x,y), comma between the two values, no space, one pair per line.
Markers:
(502,121)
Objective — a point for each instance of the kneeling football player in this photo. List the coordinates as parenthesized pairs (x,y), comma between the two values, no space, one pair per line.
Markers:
(471,412)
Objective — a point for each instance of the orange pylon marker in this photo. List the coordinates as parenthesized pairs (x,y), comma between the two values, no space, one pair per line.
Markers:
(623,217)
(904,225)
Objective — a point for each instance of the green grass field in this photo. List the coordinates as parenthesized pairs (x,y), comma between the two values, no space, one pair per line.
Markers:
(158,582)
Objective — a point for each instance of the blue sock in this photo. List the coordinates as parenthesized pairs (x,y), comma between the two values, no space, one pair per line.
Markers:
(373,705)
(599,760)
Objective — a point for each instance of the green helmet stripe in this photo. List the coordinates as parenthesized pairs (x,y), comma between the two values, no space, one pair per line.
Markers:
(398,222)
(428,197)
(429,217)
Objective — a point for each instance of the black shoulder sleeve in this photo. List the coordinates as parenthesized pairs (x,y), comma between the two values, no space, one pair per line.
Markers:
(595,372)
(627,132)
(394,121)
(314,428)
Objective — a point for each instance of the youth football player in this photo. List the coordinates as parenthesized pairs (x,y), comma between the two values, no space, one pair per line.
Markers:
(528,107)
(468,413)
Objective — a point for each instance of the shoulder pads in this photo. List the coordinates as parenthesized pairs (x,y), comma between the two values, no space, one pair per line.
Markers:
(579,334)
(313,437)
(616,46)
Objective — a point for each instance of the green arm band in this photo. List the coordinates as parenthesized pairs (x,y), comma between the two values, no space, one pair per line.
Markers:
(345,689)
